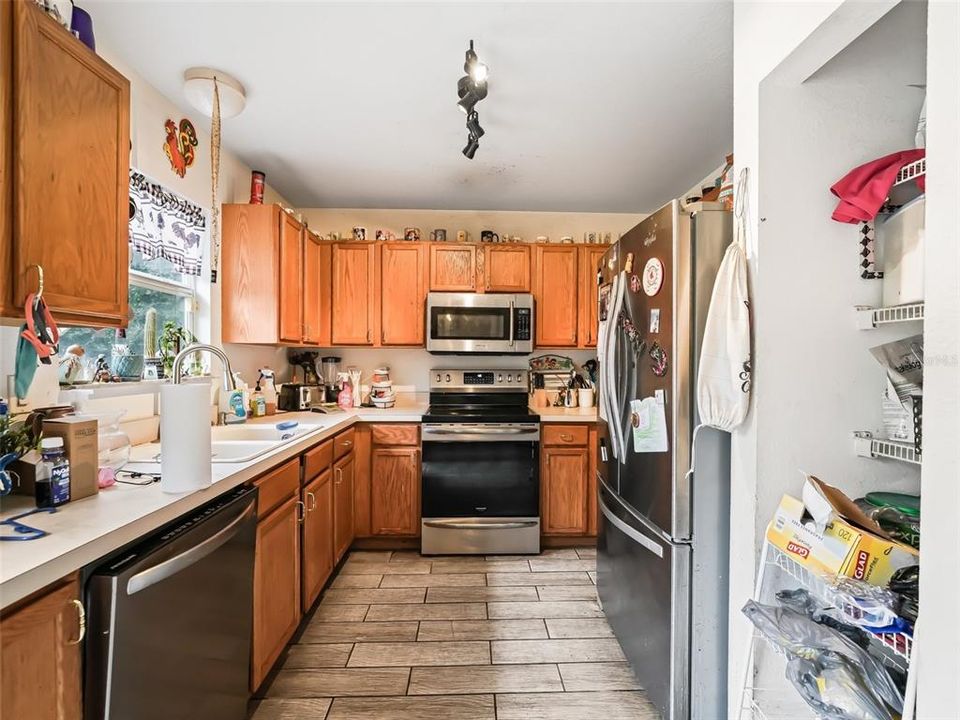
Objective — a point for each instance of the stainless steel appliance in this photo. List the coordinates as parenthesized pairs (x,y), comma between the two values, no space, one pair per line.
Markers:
(331,371)
(662,560)
(490,323)
(170,619)
(295,396)
(481,458)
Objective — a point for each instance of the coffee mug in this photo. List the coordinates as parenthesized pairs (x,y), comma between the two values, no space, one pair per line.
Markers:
(384,235)
(439,235)
(359,233)
(462,236)
(489,236)
(543,238)
(412,234)
(586,397)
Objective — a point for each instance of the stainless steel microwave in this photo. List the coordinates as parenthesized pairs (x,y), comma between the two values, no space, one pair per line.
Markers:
(467,323)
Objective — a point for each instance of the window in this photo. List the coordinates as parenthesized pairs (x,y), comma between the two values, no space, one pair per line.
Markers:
(167,237)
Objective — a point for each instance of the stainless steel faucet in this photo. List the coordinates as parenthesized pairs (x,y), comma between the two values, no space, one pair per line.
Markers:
(229,385)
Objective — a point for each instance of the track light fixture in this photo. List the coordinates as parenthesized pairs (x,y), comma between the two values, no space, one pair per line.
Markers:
(471,89)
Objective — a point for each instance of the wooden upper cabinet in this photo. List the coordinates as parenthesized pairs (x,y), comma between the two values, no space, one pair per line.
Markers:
(312,303)
(291,279)
(565,490)
(555,294)
(395,491)
(71,163)
(403,293)
(506,268)
(453,267)
(40,657)
(7,305)
(354,294)
(590,257)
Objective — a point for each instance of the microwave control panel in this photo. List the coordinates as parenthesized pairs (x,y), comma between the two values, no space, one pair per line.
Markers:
(521,324)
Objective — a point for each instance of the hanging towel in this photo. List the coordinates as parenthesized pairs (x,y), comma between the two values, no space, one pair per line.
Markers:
(863,190)
(723,380)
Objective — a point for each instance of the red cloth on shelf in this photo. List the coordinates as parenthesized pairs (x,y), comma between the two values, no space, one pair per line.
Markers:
(863,190)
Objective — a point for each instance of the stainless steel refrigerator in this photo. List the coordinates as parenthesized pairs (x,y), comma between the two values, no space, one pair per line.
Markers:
(663,546)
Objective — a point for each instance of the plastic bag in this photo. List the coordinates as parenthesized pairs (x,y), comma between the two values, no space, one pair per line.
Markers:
(801,637)
(830,684)
(801,601)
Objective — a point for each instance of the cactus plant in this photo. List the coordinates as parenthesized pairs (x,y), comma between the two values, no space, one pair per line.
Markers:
(150,345)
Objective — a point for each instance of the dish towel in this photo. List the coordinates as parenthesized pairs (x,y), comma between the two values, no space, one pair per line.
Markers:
(863,190)
(723,380)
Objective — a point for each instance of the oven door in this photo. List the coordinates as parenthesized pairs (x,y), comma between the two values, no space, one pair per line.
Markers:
(473,323)
(481,470)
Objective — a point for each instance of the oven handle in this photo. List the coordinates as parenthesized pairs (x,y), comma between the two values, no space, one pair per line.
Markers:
(505,434)
(460,525)
(512,304)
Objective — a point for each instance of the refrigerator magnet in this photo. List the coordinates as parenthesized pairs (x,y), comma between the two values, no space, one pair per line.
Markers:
(658,360)
(636,341)
(652,276)
(635,283)
(654,321)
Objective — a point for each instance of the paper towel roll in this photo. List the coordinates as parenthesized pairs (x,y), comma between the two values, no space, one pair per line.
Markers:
(185,437)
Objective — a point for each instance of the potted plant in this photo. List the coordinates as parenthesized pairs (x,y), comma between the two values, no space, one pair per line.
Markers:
(172,340)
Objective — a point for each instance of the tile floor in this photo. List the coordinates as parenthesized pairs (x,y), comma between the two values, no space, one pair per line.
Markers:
(398,636)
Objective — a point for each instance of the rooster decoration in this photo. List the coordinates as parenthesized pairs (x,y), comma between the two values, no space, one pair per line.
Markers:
(179,145)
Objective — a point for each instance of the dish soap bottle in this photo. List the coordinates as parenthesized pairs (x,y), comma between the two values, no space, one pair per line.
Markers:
(345,398)
(52,474)
(269,390)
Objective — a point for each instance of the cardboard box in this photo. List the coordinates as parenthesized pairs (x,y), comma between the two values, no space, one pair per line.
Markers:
(846,542)
(80,448)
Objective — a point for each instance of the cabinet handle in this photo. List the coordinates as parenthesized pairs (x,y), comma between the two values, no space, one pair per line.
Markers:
(81,622)
(339,475)
(347,443)
(368,334)
(566,437)
(302,511)
(312,504)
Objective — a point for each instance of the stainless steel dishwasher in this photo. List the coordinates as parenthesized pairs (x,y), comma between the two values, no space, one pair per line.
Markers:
(169,620)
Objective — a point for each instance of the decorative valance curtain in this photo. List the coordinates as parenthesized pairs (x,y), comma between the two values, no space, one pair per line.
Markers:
(165,225)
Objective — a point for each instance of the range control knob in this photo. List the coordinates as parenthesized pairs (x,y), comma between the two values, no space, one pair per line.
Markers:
(447,377)
(500,378)
(509,378)
(438,377)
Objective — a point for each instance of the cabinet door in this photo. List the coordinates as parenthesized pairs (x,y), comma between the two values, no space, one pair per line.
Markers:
(40,657)
(564,484)
(506,268)
(403,293)
(589,260)
(291,279)
(317,561)
(555,292)
(353,293)
(7,305)
(71,155)
(395,491)
(342,506)
(276,587)
(312,303)
(453,268)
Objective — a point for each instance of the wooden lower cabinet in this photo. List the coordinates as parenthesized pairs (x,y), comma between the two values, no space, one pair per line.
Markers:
(343,472)
(317,559)
(567,480)
(276,587)
(395,491)
(40,657)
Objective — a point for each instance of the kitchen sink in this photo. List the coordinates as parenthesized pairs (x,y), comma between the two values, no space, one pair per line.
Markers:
(233,443)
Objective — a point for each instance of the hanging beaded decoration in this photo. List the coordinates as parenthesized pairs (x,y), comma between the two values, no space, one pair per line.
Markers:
(638,343)
(658,360)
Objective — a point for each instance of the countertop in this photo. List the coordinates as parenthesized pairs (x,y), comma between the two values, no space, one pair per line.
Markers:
(86,530)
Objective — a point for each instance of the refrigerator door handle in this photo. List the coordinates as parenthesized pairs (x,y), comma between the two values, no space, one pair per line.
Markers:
(613,420)
(654,547)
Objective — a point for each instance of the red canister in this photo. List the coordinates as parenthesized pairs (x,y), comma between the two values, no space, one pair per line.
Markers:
(257,179)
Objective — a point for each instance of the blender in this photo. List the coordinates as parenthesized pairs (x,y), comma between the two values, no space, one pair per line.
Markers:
(331,370)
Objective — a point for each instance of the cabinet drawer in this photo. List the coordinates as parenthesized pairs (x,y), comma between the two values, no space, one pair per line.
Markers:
(277,486)
(316,460)
(343,443)
(396,434)
(563,434)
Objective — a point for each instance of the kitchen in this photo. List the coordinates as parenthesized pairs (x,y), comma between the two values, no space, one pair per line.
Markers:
(434,544)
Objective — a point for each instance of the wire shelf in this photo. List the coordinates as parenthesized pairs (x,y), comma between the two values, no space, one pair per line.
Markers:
(868,446)
(894,649)
(870,317)
(912,171)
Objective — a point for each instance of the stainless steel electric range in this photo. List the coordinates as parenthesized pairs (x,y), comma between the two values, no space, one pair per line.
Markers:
(481,461)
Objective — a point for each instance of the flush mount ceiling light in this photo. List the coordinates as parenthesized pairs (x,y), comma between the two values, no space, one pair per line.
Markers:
(198,87)
(471,89)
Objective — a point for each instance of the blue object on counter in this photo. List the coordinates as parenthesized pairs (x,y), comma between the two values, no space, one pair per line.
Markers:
(287,425)
(25,532)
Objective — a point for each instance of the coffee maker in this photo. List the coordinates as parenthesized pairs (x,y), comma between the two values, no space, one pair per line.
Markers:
(330,371)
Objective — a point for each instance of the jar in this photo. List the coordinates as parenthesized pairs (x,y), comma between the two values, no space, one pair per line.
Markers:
(52,479)
(113,443)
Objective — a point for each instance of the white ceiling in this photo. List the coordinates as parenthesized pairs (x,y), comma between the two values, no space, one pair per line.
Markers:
(592,107)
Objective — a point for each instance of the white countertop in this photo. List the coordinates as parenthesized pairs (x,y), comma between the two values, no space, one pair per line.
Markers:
(86,530)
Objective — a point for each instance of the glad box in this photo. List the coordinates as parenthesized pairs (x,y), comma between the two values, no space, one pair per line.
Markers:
(841,548)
